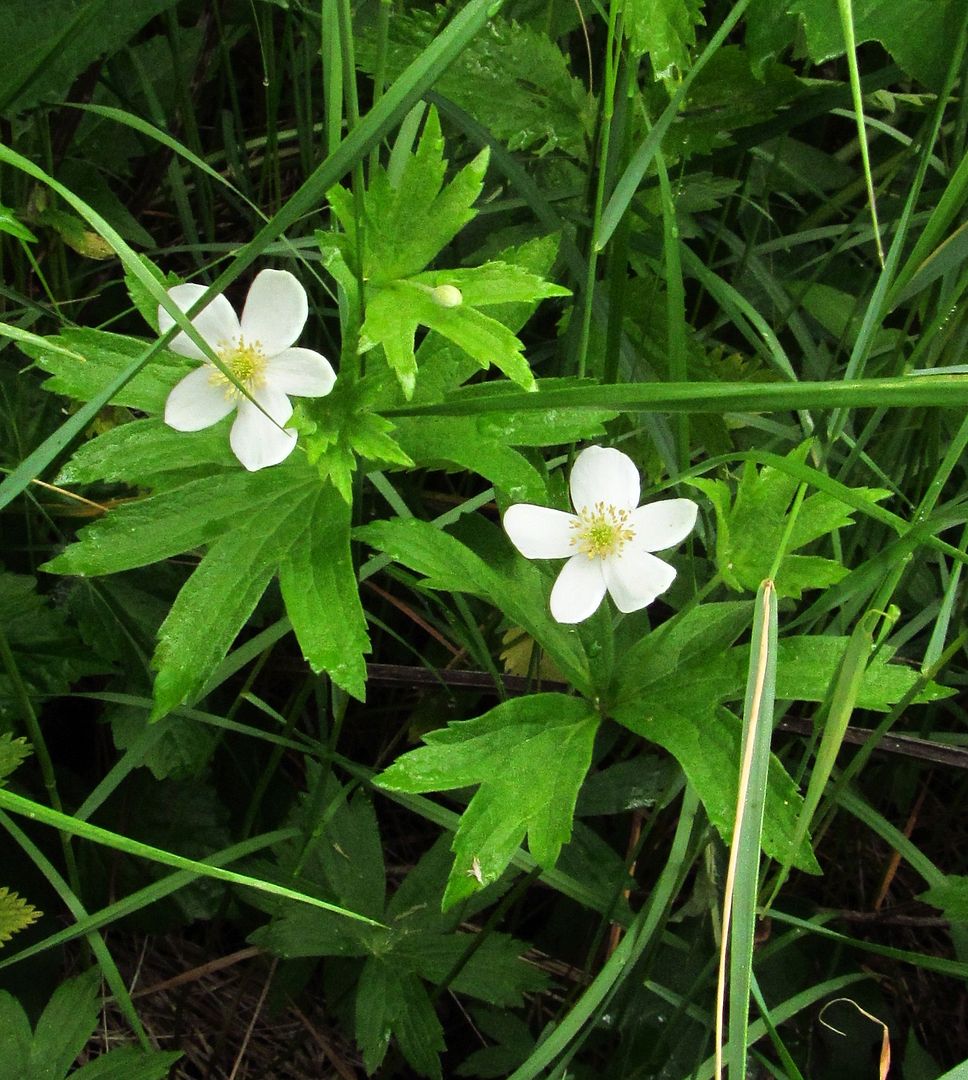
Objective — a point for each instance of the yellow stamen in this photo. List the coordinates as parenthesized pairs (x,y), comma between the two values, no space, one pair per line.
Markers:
(601,530)
(245,360)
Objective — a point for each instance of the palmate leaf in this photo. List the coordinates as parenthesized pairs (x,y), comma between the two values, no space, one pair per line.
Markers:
(750,528)
(408,217)
(63,1030)
(443,365)
(530,756)
(388,1002)
(80,33)
(670,689)
(198,512)
(395,310)
(514,80)
(494,974)
(344,862)
(145,453)
(66,1024)
(342,428)
(12,753)
(485,444)
(254,524)
(951,897)
(919,34)
(459,442)
(807,667)
(48,654)
(665,29)
(105,356)
(15,914)
(321,594)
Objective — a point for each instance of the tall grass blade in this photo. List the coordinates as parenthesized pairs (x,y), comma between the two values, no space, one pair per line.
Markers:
(742,874)
(845,9)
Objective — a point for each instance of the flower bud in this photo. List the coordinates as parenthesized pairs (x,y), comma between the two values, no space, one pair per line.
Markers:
(447,295)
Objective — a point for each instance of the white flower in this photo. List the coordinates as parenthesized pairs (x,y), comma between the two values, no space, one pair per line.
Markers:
(258,351)
(607,541)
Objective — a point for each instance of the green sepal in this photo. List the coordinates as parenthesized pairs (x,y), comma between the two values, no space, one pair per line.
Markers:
(340,429)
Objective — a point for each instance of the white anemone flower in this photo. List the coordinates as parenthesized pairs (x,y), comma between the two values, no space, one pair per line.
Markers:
(609,539)
(258,350)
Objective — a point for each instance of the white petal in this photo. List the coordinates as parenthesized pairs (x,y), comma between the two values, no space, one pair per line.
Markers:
(275,311)
(578,590)
(601,474)
(660,525)
(258,441)
(539,532)
(217,322)
(635,578)
(196,402)
(301,372)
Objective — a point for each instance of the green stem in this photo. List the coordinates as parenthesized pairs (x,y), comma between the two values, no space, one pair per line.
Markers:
(380,69)
(608,111)
(36,738)
(641,933)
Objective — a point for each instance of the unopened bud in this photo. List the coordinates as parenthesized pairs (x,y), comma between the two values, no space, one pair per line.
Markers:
(447,295)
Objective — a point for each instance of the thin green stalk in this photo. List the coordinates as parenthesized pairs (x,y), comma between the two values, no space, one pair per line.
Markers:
(270,181)
(935,648)
(793,1073)
(842,703)
(612,53)
(639,936)
(791,520)
(629,182)
(87,924)
(76,908)
(36,738)
(675,303)
(878,305)
(952,457)
(863,754)
(617,270)
(186,114)
(742,874)
(17,804)
(847,26)
(935,391)
(380,67)
(275,756)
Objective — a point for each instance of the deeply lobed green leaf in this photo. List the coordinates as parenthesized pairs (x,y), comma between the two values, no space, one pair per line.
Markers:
(530,756)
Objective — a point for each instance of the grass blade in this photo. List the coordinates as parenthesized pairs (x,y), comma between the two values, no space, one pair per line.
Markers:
(742,875)
(17,804)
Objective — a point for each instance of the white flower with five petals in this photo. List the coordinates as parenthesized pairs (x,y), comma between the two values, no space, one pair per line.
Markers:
(609,539)
(258,350)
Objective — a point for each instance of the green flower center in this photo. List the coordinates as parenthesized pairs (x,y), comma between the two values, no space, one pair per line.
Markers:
(246,361)
(601,530)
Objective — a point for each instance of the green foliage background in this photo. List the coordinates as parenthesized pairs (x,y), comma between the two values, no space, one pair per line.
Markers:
(323,709)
